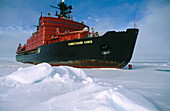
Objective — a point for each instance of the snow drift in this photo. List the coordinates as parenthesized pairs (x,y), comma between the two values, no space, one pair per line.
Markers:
(44,71)
(32,74)
(67,89)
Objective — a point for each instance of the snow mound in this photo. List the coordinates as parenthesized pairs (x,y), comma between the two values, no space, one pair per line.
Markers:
(122,100)
(70,74)
(32,74)
(94,97)
(45,72)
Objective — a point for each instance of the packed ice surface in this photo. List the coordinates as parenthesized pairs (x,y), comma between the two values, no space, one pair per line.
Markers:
(46,88)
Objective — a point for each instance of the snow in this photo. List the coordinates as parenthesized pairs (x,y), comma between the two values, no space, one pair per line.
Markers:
(32,74)
(46,88)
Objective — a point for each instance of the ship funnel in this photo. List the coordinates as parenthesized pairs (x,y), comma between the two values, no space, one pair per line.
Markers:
(63,1)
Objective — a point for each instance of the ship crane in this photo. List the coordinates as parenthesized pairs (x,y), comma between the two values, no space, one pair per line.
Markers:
(38,26)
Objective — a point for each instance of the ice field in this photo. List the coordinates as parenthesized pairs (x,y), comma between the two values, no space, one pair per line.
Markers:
(45,88)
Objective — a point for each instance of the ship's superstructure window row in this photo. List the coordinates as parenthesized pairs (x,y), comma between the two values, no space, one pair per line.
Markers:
(64,23)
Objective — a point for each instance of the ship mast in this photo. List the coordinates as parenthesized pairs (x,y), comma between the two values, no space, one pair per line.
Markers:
(65,10)
(134,22)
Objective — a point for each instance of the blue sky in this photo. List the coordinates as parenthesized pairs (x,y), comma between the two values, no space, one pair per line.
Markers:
(30,10)
(152,18)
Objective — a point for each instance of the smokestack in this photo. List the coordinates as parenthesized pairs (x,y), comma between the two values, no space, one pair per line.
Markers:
(63,1)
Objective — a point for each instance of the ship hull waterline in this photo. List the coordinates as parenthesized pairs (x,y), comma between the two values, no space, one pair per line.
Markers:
(112,50)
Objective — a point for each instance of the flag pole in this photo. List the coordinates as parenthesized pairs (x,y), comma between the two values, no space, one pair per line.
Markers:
(134,20)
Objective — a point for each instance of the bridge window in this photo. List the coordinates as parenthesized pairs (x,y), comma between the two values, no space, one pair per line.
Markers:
(49,21)
(56,22)
(52,21)
(60,22)
(45,21)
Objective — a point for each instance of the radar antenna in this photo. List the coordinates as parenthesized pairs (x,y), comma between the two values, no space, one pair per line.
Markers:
(65,10)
